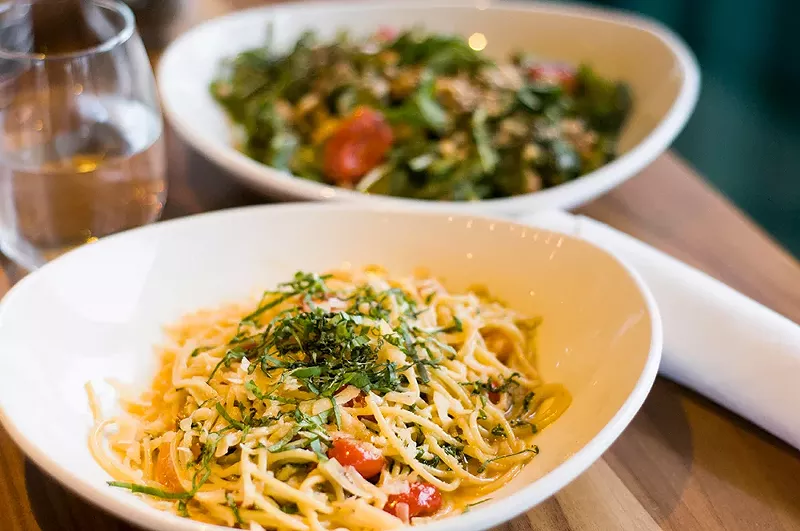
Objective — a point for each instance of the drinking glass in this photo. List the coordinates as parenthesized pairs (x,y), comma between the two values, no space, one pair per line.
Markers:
(81,148)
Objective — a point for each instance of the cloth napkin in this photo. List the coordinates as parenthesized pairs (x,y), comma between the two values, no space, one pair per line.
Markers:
(718,342)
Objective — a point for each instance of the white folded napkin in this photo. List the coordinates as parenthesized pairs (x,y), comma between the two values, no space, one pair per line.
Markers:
(718,342)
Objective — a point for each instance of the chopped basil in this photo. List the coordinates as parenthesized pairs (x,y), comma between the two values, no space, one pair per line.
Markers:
(534,450)
(234,508)
(469,506)
(151,491)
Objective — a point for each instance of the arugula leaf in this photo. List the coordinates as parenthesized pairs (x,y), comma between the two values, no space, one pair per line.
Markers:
(421,109)
(529,99)
(606,103)
(429,109)
(487,154)
(443,54)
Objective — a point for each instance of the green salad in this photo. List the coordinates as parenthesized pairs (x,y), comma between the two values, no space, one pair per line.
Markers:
(420,115)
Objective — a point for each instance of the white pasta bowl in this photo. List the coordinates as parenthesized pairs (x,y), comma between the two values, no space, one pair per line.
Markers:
(660,69)
(96,313)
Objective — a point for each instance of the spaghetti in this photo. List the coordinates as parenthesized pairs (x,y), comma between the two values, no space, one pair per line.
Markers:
(349,400)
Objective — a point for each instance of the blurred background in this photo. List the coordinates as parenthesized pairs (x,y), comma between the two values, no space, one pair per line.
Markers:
(744,136)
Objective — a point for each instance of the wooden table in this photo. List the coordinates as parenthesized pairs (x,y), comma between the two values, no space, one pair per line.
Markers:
(684,464)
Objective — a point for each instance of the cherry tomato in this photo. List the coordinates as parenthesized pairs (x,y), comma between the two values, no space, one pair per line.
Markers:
(562,75)
(422,499)
(358,145)
(165,470)
(364,457)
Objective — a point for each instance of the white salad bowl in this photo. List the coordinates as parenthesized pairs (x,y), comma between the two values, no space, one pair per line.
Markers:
(97,312)
(660,69)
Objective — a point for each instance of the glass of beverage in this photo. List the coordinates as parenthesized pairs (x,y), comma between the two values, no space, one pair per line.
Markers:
(81,148)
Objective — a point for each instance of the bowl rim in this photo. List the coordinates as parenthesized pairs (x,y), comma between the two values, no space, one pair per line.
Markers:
(129,508)
(271,181)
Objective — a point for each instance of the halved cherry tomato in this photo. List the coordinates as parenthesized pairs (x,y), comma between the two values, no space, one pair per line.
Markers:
(562,75)
(364,457)
(358,145)
(422,499)
(165,470)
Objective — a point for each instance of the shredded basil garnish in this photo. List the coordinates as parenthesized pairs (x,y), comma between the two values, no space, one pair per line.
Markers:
(534,450)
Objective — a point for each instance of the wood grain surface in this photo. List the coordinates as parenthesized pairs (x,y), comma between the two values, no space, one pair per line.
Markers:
(684,464)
